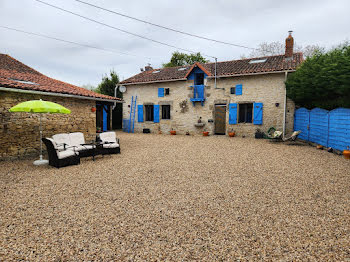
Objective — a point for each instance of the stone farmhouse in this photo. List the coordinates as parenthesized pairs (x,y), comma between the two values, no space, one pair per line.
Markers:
(19,132)
(244,95)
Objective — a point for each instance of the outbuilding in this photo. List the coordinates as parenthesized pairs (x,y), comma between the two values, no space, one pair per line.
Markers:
(90,111)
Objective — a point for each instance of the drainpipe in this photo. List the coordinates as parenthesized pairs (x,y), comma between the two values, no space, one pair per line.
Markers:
(115,95)
(216,61)
(285,104)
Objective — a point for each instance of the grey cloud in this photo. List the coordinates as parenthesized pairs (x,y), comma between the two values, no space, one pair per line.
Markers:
(324,22)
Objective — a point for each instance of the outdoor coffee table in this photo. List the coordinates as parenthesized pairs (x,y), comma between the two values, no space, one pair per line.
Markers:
(96,148)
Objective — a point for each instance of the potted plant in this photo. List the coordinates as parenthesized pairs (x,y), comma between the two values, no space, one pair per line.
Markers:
(346,153)
(205,133)
(231,133)
(172,132)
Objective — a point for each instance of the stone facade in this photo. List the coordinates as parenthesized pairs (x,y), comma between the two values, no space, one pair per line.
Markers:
(268,89)
(20,131)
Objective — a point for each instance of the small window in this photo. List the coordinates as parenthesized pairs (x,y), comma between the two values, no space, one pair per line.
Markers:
(165,111)
(245,113)
(233,90)
(167,91)
(199,79)
(149,111)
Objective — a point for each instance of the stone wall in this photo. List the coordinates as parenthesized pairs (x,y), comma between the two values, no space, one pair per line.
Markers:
(268,89)
(20,131)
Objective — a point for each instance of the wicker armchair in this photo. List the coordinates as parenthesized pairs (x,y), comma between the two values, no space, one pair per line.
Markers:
(110,143)
(59,158)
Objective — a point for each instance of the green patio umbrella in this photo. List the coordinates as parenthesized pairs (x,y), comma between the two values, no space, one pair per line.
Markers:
(40,106)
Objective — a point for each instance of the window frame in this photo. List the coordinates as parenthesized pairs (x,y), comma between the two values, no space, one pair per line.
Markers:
(149,114)
(245,106)
(163,112)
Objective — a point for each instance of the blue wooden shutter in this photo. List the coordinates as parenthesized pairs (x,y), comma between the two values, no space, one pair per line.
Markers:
(156,113)
(232,114)
(239,90)
(140,113)
(160,92)
(258,114)
(104,124)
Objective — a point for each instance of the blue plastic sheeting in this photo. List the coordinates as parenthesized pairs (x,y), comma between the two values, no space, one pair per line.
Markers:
(301,123)
(318,126)
(339,128)
(126,125)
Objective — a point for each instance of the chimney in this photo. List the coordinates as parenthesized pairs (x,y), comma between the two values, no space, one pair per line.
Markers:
(148,67)
(289,45)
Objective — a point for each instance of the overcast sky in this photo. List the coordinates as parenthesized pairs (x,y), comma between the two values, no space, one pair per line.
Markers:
(322,22)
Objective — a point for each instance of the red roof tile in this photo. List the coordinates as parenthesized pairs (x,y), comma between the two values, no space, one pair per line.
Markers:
(228,68)
(14,74)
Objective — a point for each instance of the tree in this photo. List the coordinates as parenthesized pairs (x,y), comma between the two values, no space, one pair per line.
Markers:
(278,48)
(89,87)
(108,85)
(323,80)
(182,59)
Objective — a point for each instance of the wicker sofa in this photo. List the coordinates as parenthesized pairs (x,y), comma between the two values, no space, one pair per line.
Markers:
(74,141)
(60,158)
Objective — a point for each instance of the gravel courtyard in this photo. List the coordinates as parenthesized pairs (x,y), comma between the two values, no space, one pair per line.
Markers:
(180,198)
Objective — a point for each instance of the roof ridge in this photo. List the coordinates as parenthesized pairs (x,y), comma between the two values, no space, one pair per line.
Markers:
(23,64)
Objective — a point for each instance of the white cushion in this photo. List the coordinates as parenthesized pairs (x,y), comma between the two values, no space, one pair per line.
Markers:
(108,137)
(85,147)
(76,139)
(112,145)
(53,142)
(65,153)
(61,139)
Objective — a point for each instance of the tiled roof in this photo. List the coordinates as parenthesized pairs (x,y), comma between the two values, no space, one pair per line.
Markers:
(14,74)
(228,68)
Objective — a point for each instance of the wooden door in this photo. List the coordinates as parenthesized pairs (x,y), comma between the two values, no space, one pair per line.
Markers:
(220,119)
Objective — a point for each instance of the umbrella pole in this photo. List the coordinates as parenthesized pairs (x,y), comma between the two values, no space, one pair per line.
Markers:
(41,161)
(41,141)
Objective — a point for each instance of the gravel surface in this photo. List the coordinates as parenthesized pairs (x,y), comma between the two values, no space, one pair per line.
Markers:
(180,198)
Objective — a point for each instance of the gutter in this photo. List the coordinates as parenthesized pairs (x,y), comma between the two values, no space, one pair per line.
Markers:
(6,89)
(150,82)
(260,73)
(185,79)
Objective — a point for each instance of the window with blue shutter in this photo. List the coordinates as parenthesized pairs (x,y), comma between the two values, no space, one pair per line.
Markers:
(232,114)
(140,113)
(258,114)
(239,90)
(160,92)
(156,113)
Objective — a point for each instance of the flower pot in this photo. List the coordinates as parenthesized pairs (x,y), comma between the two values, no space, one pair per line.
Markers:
(231,134)
(205,133)
(93,109)
(346,154)
(172,132)
(319,147)
(160,132)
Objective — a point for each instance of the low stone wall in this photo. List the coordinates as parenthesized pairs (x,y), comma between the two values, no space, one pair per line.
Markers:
(19,132)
